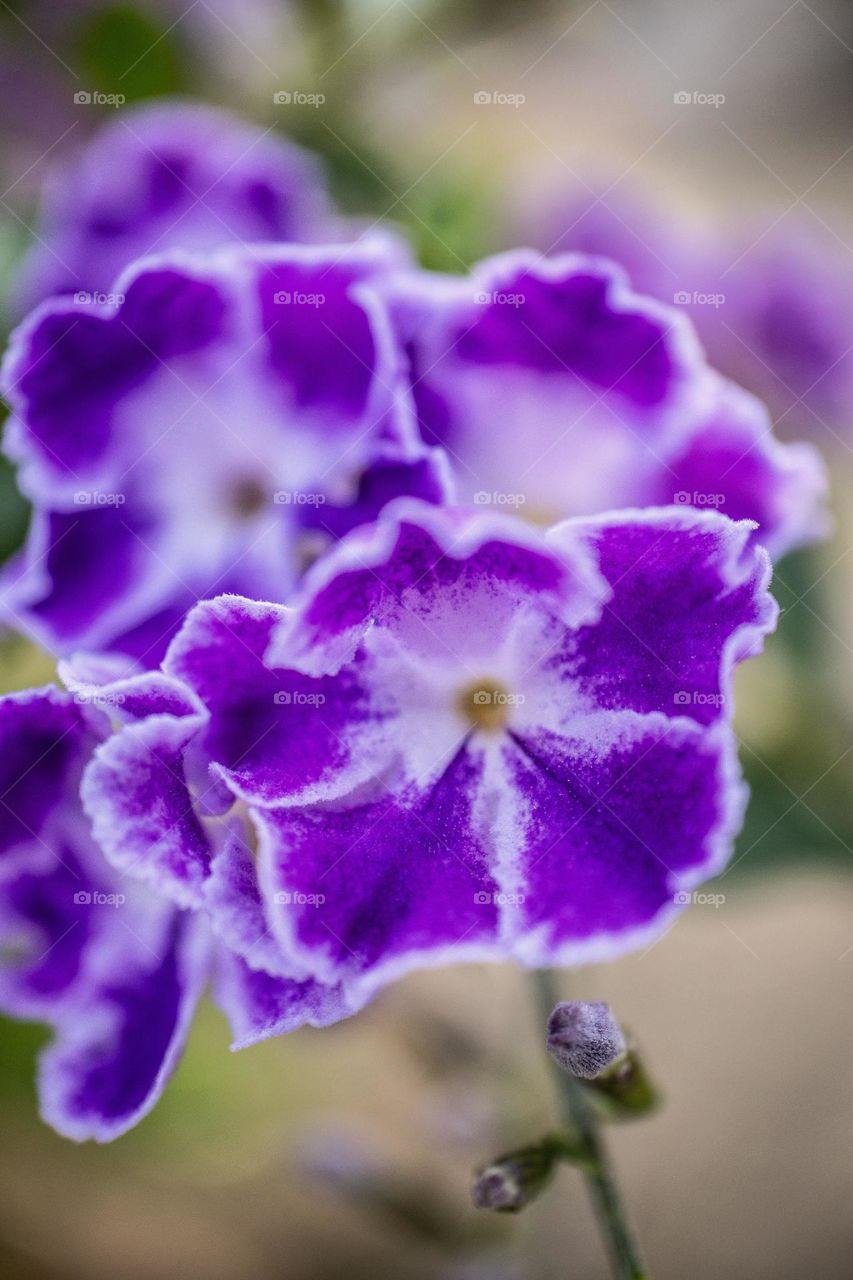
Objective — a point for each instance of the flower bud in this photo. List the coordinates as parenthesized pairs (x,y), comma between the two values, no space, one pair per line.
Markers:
(513,1180)
(584,1038)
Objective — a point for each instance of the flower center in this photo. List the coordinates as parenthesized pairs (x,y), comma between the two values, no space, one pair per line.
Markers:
(248,497)
(485,703)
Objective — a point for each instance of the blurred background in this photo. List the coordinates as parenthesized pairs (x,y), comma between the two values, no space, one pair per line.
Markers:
(706,135)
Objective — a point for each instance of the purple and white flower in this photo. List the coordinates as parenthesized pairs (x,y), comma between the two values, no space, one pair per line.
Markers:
(210,430)
(466,739)
(556,389)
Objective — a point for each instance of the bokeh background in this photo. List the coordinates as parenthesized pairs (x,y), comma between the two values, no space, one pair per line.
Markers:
(347,1153)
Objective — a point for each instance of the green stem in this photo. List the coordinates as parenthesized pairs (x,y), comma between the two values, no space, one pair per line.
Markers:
(579,1116)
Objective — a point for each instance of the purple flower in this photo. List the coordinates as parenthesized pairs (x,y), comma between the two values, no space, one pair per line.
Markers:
(465,740)
(191,437)
(554,387)
(115,968)
(169,175)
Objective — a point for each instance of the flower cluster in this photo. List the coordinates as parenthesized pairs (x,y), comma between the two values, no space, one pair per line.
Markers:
(397,617)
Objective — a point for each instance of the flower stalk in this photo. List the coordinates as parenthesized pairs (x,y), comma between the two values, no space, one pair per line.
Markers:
(580,1118)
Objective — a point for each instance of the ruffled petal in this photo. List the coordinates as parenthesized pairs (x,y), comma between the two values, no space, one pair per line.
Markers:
(431,575)
(688,600)
(45,740)
(734,463)
(619,821)
(556,389)
(143,814)
(259,1006)
(117,1047)
(274,735)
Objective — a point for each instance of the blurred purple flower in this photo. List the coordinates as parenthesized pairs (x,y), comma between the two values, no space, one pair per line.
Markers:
(169,175)
(773,304)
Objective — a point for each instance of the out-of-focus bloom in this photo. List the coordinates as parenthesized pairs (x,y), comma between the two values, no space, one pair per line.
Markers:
(465,740)
(556,389)
(785,327)
(115,968)
(207,429)
(169,175)
(584,1037)
(772,303)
